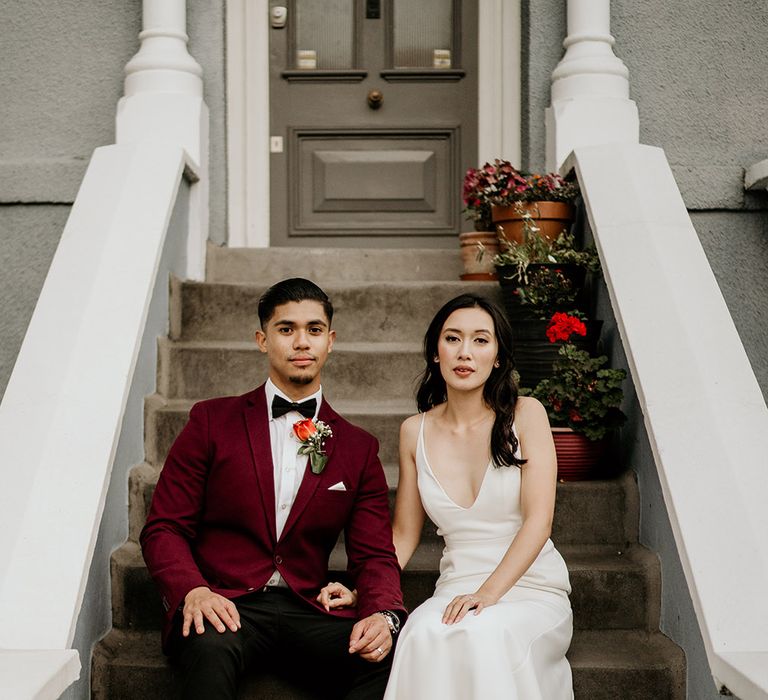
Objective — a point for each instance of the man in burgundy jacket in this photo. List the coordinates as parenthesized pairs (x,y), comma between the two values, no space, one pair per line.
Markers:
(241,527)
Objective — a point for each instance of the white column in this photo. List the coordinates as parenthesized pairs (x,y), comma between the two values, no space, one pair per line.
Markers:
(590,87)
(248,154)
(163,101)
(498,111)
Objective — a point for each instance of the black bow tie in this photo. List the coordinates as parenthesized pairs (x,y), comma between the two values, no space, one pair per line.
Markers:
(280,407)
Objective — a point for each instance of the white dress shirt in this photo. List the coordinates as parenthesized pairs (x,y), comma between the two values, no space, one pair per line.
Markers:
(288,465)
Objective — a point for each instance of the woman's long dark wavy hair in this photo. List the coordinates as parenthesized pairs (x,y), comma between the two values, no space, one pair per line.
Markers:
(500,390)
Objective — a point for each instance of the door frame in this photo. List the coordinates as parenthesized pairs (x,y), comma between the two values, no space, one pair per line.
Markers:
(248,138)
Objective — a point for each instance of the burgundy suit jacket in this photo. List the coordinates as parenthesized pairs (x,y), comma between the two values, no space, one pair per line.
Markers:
(212,518)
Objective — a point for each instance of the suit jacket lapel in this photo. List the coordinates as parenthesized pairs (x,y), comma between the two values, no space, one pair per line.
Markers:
(257,425)
(311,481)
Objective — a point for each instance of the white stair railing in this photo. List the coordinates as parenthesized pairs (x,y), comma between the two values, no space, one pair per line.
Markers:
(84,365)
(704,412)
(63,410)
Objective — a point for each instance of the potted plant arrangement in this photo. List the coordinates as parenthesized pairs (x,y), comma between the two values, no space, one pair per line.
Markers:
(583,399)
(540,277)
(478,247)
(500,190)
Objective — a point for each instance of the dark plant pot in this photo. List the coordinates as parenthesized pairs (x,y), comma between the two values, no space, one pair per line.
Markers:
(534,354)
(577,457)
(509,284)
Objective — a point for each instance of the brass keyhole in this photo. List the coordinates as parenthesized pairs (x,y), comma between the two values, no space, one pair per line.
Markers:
(375,98)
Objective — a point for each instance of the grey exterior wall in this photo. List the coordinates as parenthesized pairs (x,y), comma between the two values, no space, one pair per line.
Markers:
(543,28)
(206,28)
(61,76)
(29,234)
(696,73)
(736,244)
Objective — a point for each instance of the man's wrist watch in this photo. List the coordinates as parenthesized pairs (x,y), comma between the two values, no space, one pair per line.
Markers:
(393,621)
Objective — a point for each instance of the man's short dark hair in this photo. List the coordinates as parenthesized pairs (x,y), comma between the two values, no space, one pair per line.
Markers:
(293,289)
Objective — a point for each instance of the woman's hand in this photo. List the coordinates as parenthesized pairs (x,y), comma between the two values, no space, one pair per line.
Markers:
(336,595)
(462,604)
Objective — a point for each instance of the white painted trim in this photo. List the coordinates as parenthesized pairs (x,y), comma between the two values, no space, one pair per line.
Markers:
(248,123)
(236,121)
(37,675)
(499,108)
(704,412)
(63,408)
(590,87)
(163,102)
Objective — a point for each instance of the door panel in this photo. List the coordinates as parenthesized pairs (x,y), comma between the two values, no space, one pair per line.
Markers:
(373,181)
(352,172)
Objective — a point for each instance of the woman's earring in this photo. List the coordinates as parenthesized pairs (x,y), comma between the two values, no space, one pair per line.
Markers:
(436,359)
(496,364)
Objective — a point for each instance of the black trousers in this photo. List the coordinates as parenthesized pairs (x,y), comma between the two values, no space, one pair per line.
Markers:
(279,633)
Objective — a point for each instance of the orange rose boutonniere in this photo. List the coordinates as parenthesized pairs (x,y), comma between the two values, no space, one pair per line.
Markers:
(311,436)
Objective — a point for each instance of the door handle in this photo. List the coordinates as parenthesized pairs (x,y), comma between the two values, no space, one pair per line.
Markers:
(375,98)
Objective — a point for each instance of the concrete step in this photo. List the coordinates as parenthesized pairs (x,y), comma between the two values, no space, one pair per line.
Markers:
(586,512)
(606,665)
(612,589)
(373,312)
(164,419)
(204,369)
(631,665)
(326,266)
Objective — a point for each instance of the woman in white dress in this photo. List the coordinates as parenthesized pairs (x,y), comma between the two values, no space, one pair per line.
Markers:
(480,461)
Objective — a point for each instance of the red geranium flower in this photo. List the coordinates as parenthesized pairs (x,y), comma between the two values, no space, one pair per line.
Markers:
(562,326)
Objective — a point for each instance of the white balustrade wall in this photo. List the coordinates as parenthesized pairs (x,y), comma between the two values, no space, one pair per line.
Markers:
(63,437)
(704,413)
(71,418)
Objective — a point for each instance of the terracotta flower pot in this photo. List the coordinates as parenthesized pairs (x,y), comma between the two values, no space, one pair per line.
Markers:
(551,218)
(578,458)
(475,269)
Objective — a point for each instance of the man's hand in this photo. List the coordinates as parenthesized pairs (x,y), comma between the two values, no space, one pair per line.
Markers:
(337,595)
(219,611)
(370,638)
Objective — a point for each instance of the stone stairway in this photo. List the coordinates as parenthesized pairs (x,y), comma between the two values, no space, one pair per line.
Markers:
(383,302)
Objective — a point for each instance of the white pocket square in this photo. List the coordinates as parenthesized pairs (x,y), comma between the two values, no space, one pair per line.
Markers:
(338,487)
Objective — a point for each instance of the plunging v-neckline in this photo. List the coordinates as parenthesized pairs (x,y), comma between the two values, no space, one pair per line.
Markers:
(434,476)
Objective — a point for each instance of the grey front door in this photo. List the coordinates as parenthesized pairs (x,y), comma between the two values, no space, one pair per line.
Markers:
(373,111)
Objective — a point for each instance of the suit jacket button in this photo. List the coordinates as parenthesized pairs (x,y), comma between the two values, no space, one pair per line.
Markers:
(278,560)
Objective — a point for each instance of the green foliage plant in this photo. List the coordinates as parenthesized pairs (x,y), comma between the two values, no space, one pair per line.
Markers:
(582,393)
